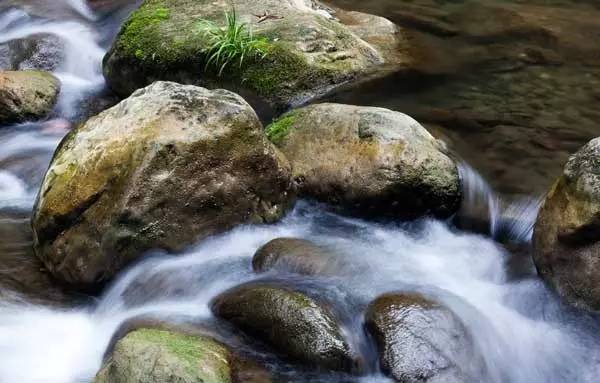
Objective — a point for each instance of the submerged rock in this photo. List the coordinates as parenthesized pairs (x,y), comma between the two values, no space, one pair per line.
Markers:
(294,255)
(421,341)
(566,241)
(26,95)
(368,160)
(308,51)
(154,355)
(290,321)
(166,167)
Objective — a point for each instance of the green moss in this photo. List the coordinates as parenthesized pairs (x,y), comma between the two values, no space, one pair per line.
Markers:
(145,35)
(282,72)
(204,356)
(140,33)
(158,43)
(279,129)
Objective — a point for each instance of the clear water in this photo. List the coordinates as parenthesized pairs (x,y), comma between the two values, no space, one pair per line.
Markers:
(522,331)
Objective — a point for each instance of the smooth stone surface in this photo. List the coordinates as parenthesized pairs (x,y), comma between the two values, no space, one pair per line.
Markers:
(293,323)
(295,255)
(421,341)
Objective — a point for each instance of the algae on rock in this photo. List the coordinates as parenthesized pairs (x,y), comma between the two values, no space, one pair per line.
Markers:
(308,51)
(156,355)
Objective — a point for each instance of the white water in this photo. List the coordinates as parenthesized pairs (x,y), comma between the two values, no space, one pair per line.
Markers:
(513,219)
(80,68)
(79,71)
(520,329)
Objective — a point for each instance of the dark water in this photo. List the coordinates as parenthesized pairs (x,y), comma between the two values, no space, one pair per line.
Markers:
(512,86)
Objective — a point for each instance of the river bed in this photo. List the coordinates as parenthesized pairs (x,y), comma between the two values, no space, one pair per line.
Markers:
(512,125)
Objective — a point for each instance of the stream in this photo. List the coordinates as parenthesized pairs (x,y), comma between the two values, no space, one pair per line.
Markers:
(483,274)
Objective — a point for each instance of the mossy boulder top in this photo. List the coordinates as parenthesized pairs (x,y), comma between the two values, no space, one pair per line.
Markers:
(170,165)
(367,160)
(27,95)
(156,355)
(309,51)
(566,240)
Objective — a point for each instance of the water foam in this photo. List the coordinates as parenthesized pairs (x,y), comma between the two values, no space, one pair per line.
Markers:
(523,334)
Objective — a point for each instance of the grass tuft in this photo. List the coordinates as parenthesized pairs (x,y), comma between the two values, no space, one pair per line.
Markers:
(234,43)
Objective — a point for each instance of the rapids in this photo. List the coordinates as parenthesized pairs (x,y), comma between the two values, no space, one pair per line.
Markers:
(524,334)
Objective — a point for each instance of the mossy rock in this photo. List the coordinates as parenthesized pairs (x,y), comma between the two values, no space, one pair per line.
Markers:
(168,166)
(27,95)
(296,325)
(566,245)
(308,52)
(368,161)
(163,356)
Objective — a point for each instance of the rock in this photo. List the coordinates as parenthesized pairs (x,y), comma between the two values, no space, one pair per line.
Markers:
(26,95)
(308,51)
(22,275)
(166,167)
(295,255)
(368,160)
(39,51)
(290,321)
(566,246)
(155,355)
(420,340)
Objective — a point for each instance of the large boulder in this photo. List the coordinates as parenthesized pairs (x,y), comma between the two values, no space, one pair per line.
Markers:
(293,323)
(308,51)
(154,355)
(369,160)
(566,240)
(420,340)
(166,167)
(26,95)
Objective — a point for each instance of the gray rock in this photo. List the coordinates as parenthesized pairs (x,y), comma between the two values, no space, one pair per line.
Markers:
(297,256)
(421,341)
(166,167)
(40,52)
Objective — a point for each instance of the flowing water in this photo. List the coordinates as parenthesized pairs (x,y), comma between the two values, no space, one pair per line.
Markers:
(520,328)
